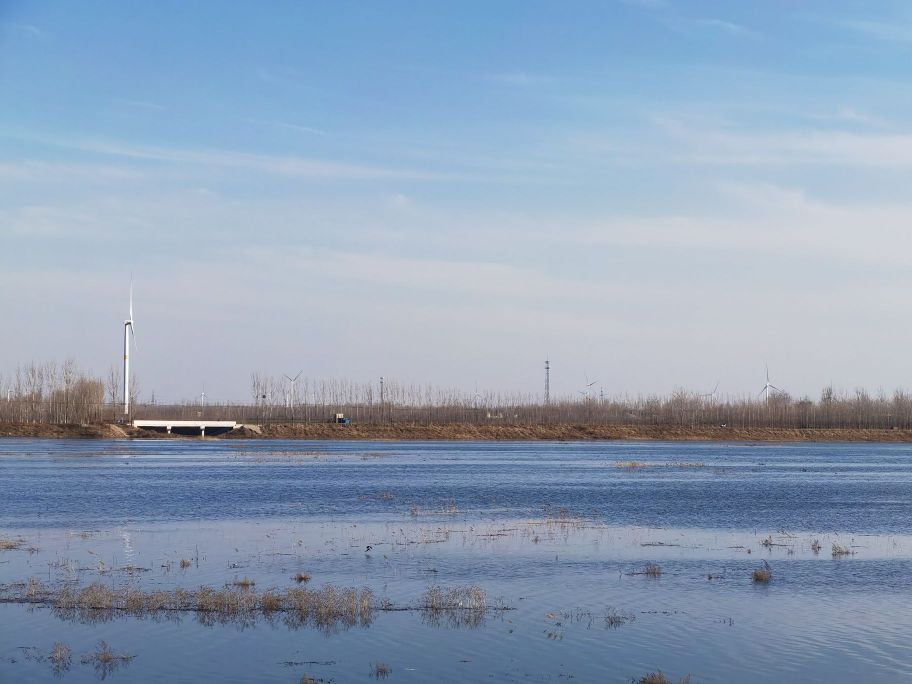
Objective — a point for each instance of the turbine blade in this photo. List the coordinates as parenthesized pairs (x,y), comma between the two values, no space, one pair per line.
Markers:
(133,336)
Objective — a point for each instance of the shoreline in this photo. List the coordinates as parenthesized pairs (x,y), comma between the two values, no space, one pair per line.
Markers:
(470,432)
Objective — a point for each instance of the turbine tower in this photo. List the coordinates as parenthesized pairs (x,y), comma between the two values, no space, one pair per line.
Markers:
(768,386)
(290,395)
(128,333)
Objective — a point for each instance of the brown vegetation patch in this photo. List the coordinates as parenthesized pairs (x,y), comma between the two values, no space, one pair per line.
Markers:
(840,551)
(380,670)
(105,660)
(762,575)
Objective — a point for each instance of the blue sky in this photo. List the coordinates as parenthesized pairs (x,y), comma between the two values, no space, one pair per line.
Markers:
(656,193)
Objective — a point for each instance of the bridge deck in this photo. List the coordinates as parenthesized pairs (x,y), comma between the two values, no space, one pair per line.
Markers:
(182,425)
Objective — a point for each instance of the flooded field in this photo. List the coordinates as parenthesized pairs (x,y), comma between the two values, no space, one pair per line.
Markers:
(454,562)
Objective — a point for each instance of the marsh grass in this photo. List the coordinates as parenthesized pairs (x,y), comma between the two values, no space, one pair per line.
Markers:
(301,578)
(184,563)
(614,618)
(816,546)
(328,608)
(457,606)
(11,544)
(762,575)
(380,670)
(61,657)
(840,551)
(105,660)
(660,678)
(244,583)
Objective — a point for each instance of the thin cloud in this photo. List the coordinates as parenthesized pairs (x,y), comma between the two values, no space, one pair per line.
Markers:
(26,29)
(229,159)
(898,32)
(521,79)
(289,126)
(726,27)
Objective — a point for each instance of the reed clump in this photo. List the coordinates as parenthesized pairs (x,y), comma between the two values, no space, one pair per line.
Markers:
(105,660)
(184,564)
(653,570)
(840,551)
(61,657)
(11,544)
(614,618)
(660,678)
(327,607)
(816,546)
(380,670)
(762,575)
(301,578)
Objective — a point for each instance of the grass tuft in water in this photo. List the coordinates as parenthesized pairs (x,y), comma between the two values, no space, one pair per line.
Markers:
(380,670)
(61,657)
(762,575)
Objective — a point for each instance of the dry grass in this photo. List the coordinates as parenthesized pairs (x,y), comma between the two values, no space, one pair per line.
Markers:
(614,618)
(653,570)
(244,583)
(61,657)
(840,551)
(328,608)
(762,575)
(816,546)
(184,563)
(11,544)
(630,465)
(455,598)
(380,670)
(660,678)
(301,578)
(105,660)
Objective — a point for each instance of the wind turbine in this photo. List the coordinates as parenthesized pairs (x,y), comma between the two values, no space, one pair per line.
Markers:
(589,385)
(289,394)
(768,386)
(128,333)
(711,395)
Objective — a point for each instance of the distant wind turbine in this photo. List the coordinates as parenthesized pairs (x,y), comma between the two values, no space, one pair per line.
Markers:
(289,393)
(768,386)
(128,333)
(711,395)
(586,393)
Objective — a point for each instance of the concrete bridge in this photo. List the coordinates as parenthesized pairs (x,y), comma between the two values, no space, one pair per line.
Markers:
(188,427)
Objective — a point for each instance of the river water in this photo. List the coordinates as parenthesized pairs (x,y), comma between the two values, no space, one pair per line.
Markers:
(559,533)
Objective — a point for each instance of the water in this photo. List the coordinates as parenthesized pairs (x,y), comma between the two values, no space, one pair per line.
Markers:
(560,532)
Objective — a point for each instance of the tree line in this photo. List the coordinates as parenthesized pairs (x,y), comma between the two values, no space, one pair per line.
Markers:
(64,393)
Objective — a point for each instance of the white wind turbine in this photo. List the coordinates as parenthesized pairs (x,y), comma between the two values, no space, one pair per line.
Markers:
(710,395)
(128,333)
(587,392)
(768,386)
(290,391)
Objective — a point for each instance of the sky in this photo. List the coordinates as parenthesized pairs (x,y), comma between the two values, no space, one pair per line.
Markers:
(651,193)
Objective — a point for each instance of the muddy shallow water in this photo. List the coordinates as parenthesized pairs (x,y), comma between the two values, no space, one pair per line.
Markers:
(560,533)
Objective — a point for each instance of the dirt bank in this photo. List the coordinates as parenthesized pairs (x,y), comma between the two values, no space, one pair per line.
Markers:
(400,431)
(568,432)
